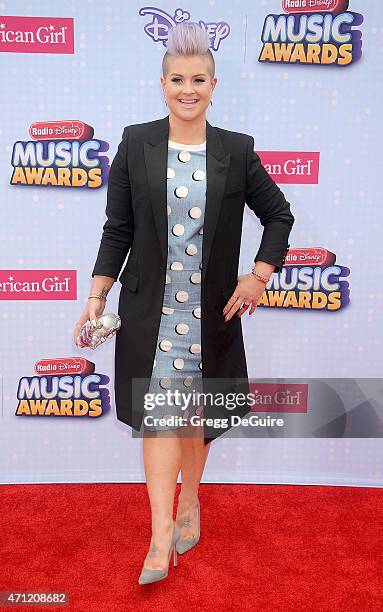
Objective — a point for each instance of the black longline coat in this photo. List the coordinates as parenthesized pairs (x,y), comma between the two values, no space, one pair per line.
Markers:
(136,224)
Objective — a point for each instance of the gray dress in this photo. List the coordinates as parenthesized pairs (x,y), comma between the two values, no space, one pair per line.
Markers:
(178,359)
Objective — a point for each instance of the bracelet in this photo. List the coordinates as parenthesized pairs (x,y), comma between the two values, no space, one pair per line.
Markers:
(102,295)
(93,295)
(259,277)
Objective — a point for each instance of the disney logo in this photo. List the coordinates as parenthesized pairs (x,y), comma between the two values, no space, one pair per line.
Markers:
(74,130)
(158,28)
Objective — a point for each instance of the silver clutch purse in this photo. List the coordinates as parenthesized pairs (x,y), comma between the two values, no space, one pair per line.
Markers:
(95,332)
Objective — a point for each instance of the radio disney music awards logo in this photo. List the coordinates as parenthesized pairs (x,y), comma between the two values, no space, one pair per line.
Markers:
(312,32)
(289,167)
(36,34)
(38,285)
(309,280)
(162,22)
(60,154)
(63,387)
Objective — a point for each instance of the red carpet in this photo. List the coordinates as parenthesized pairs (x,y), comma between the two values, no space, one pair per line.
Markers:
(262,547)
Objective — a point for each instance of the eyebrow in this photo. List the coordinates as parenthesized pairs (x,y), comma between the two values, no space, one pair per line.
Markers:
(176,74)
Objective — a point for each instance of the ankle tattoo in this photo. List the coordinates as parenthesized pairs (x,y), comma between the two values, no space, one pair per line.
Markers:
(153,550)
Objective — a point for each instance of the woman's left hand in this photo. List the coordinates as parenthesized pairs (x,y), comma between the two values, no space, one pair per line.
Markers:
(248,292)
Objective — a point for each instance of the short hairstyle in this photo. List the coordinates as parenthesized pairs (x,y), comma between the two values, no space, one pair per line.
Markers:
(186,39)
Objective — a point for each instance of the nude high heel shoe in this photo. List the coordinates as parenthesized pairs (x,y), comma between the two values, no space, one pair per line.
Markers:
(184,544)
(153,575)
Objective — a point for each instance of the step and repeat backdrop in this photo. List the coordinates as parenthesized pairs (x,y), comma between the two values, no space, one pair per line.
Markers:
(304,78)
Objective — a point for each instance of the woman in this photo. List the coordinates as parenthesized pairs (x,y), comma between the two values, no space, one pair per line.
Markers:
(176,195)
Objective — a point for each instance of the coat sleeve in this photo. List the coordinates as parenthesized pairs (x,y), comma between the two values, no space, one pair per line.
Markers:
(118,229)
(267,201)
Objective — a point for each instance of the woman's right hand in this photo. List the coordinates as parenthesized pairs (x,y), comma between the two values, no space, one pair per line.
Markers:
(93,309)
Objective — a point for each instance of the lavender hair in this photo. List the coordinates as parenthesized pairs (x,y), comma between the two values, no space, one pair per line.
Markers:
(186,39)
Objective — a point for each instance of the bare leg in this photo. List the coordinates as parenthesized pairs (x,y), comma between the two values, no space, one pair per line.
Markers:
(162,462)
(194,456)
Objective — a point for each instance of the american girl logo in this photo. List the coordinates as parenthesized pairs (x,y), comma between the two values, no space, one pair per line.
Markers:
(317,32)
(309,280)
(162,21)
(294,168)
(60,154)
(63,387)
(36,34)
(38,285)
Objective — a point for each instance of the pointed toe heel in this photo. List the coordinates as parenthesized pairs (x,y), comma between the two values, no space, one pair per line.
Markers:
(148,576)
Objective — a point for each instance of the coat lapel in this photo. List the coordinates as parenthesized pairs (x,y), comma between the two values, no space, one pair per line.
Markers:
(217,165)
